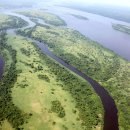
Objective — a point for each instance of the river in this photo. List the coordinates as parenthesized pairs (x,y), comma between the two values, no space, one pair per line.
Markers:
(97,28)
(1,67)
(110,110)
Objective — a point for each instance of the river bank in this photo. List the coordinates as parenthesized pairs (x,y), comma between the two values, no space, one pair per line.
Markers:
(108,102)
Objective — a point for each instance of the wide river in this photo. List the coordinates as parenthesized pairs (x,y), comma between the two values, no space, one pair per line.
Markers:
(97,28)
(110,110)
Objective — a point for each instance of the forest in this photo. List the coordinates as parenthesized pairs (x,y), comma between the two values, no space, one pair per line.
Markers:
(34,86)
(103,65)
(48,18)
(8,110)
(38,92)
(8,21)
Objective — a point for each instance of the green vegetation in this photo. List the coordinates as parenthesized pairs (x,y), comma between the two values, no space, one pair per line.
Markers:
(44,77)
(10,115)
(26,52)
(8,110)
(110,70)
(38,93)
(34,88)
(41,83)
(57,108)
(47,17)
(79,17)
(7,21)
(122,28)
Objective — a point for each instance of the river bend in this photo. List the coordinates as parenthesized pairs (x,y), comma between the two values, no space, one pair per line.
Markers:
(110,110)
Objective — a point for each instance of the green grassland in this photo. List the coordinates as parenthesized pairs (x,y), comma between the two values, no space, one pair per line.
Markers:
(42,92)
(79,17)
(122,28)
(10,115)
(36,93)
(110,70)
(47,17)
(7,21)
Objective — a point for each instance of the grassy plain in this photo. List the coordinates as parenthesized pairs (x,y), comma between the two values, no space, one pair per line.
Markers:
(6,83)
(37,93)
(47,17)
(110,70)
(7,21)
(34,95)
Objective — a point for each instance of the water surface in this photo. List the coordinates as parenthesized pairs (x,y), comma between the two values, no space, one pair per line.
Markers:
(1,67)
(110,110)
(97,28)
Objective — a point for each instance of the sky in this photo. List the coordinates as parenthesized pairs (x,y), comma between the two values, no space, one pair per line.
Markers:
(110,2)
